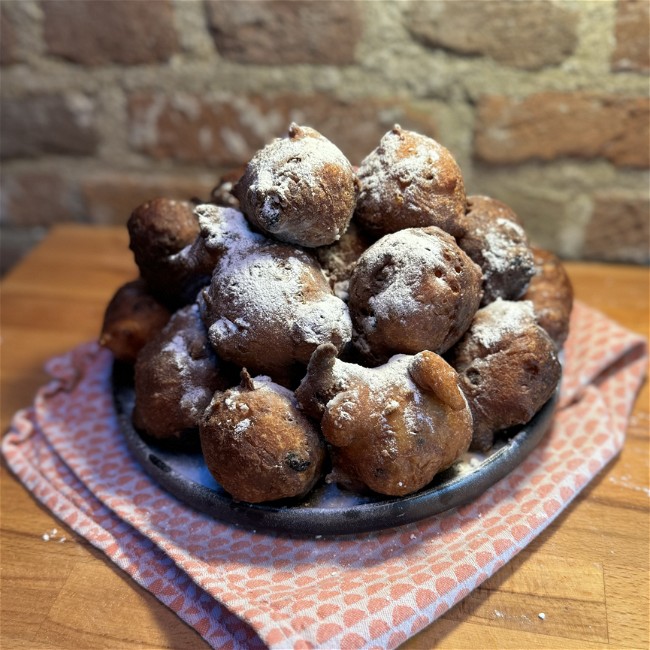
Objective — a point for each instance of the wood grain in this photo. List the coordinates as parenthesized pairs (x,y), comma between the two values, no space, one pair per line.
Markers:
(588,572)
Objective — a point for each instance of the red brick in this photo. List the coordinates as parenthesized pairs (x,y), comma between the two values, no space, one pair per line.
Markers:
(111,196)
(529,35)
(632,51)
(272,32)
(8,52)
(619,229)
(189,129)
(105,31)
(39,198)
(42,124)
(547,126)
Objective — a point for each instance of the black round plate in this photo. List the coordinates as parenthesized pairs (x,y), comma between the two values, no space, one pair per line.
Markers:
(327,510)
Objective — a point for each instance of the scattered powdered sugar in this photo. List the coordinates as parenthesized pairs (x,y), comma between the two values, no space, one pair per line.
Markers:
(341,290)
(387,167)
(286,163)
(384,383)
(318,320)
(259,288)
(627,482)
(344,405)
(195,396)
(263,382)
(50,536)
(223,227)
(500,243)
(242,426)
(468,463)
(500,318)
(177,347)
(383,380)
(406,255)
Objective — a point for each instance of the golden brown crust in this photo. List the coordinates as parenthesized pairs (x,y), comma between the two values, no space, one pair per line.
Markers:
(176,374)
(508,368)
(412,290)
(496,241)
(410,181)
(161,232)
(258,445)
(269,306)
(132,317)
(391,428)
(159,228)
(551,293)
(301,189)
(176,276)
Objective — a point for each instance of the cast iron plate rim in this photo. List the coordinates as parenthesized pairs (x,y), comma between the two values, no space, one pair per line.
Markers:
(312,521)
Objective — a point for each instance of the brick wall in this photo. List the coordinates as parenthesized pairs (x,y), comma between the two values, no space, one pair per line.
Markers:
(544,103)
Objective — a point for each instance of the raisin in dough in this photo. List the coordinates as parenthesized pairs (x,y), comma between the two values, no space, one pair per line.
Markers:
(258,445)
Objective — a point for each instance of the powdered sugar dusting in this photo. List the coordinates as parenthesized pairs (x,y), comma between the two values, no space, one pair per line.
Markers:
(500,318)
(223,227)
(260,285)
(385,383)
(500,242)
(292,173)
(407,255)
(298,159)
(195,396)
(261,288)
(410,167)
(242,426)
(263,382)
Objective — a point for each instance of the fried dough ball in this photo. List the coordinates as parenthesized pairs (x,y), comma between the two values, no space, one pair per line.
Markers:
(258,445)
(412,290)
(338,259)
(495,240)
(159,230)
(409,181)
(551,293)
(392,428)
(269,306)
(175,275)
(132,317)
(508,368)
(300,189)
(176,374)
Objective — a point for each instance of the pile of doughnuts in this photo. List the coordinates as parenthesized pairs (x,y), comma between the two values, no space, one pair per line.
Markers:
(319,322)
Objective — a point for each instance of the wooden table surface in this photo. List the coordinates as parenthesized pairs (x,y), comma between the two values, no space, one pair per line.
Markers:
(588,572)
